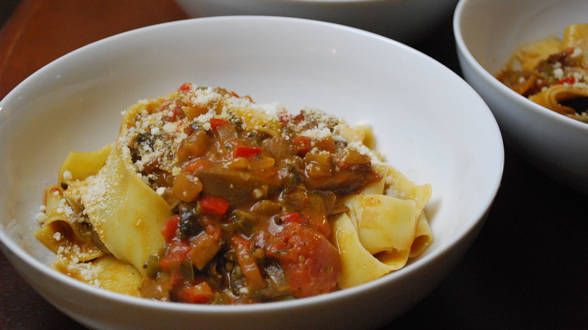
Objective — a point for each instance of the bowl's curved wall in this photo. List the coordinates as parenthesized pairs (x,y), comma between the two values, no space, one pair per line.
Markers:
(429,123)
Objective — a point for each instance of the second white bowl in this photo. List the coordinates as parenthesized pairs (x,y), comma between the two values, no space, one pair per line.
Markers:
(487,33)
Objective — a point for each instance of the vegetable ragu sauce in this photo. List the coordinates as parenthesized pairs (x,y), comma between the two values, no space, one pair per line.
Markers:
(528,83)
(252,209)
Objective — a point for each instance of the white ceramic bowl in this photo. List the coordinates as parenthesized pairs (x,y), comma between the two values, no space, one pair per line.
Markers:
(429,122)
(402,20)
(487,32)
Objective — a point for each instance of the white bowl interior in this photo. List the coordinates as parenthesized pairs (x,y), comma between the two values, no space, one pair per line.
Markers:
(427,121)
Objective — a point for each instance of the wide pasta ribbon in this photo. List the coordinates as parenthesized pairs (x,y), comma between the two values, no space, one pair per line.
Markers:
(125,212)
(552,97)
(115,211)
(64,231)
(576,36)
(381,232)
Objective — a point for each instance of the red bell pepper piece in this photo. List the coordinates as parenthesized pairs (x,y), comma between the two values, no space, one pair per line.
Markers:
(216,122)
(177,253)
(195,294)
(246,152)
(567,80)
(214,205)
(170,227)
(185,87)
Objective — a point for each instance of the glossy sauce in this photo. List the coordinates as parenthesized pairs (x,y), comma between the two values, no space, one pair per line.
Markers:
(252,211)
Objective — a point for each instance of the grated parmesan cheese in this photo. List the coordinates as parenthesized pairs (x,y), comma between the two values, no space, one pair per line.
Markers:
(558,73)
(41,217)
(67,175)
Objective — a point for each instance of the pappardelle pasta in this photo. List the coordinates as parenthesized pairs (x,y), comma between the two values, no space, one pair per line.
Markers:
(553,73)
(208,197)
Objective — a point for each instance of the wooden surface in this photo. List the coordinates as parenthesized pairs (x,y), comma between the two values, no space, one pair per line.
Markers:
(528,269)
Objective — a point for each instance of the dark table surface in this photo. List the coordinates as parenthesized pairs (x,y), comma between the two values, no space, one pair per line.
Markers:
(528,269)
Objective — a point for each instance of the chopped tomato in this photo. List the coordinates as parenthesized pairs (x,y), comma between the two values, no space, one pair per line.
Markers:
(246,152)
(214,205)
(197,165)
(320,223)
(205,246)
(176,113)
(216,122)
(285,118)
(310,262)
(303,144)
(326,144)
(567,80)
(247,263)
(176,253)
(185,87)
(293,217)
(170,227)
(175,277)
(298,118)
(196,294)
(186,187)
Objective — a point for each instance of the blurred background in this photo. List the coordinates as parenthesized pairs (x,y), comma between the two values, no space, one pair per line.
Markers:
(6,8)
(527,269)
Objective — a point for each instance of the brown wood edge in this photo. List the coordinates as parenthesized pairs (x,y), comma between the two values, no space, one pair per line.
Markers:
(11,33)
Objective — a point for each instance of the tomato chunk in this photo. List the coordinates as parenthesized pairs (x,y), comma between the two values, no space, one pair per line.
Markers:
(214,205)
(176,253)
(247,263)
(567,80)
(293,217)
(196,294)
(170,227)
(246,152)
(186,187)
(185,87)
(196,165)
(285,118)
(310,262)
(216,122)
(205,246)
(303,144)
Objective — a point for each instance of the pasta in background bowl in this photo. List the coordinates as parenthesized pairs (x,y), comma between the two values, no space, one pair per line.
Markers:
(487,34)
(553,72)
(448,139)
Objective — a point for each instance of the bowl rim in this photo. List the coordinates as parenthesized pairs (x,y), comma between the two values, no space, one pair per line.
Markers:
(475,222)
(490,80)
(320,2)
